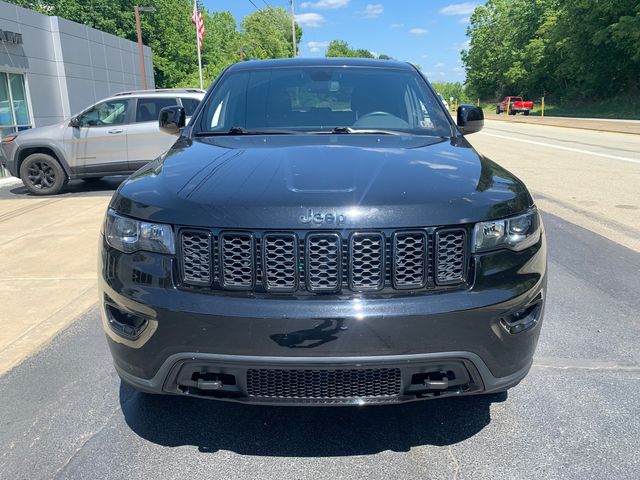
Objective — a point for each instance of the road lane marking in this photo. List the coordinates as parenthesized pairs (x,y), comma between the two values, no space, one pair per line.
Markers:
(560,147)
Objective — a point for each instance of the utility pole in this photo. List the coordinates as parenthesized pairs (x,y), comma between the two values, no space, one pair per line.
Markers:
(137,10)
(293,30)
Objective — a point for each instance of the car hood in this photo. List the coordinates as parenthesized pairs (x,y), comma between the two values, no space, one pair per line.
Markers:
(321,181)
(49,132)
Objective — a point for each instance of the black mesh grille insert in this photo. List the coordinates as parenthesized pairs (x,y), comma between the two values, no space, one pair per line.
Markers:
(324,262)
(409,259)
(237,260)
(280,262)
(348,383)
(196,257)
(366,261)
(451,256)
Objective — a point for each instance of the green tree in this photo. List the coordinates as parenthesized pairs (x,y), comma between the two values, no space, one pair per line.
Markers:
(268,33)
(452,89)
(340,48)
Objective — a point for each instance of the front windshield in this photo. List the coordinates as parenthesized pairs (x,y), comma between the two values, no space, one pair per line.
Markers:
(320,99)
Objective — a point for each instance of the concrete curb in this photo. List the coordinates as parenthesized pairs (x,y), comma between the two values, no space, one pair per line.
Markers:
(630,127)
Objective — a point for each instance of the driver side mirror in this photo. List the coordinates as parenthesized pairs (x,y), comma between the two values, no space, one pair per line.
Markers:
(74,122)
(470,119)
(172,119)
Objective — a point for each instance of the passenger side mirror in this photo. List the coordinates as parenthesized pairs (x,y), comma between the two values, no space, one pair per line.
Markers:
(470,119)
(74,122)
(172,119)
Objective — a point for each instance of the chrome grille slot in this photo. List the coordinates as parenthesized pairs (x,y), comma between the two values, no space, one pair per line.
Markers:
(409,260)
(451,258)
(280,262)
(196,257)
(237,260)
(344,383)
(366,261)
(323,262)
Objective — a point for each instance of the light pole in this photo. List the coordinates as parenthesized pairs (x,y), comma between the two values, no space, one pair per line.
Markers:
(137,11)
(293,31)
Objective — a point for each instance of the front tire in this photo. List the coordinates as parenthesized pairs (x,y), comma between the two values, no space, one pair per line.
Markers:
(498,110)
(42,174)
(526,113)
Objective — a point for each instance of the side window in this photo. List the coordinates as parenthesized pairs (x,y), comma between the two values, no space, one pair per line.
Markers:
(148,109)
(112,112)
(190,105)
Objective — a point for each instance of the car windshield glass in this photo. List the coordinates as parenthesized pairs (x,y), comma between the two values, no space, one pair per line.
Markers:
(319,99)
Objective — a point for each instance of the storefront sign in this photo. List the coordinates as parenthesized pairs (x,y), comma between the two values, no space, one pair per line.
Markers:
(10,37)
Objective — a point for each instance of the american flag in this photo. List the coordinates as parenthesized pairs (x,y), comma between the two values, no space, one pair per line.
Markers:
(197,20)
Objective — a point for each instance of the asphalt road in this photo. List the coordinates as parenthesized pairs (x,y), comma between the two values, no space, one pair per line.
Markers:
(64,413)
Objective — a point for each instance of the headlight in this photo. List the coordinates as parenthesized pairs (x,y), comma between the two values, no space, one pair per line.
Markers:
(515,233)
(129,235)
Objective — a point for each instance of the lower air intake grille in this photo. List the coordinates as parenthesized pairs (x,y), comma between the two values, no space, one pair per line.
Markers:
(451,257)
(350,383)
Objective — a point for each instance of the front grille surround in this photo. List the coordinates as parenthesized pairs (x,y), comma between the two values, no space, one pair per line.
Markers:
(237,260)
(409,270)
(262,273)
(323,262)
(451,256)
(366,261)
(280,262)
(196,264)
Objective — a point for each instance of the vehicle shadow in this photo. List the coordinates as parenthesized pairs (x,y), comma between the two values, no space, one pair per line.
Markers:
(76,188)
(303,431)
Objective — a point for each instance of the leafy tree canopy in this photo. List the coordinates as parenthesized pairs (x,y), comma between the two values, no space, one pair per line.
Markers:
(340,48)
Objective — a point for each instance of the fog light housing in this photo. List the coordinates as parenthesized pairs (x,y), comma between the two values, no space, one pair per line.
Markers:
(125,324)
(524,319)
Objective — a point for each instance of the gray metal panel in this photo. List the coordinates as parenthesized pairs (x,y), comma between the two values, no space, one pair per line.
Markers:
(37,43)
(82,93)
(75,70)
(45,96)
(95,36)
(98,58)
(33,19)
(101,74)
(74,49)
(8,12)
(68,27)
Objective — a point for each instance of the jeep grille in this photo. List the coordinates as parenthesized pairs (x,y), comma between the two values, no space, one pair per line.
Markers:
(323,262)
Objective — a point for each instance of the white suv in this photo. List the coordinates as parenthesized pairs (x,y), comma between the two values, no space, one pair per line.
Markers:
(116,136)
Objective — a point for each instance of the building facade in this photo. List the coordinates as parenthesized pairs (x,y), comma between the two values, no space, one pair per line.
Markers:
(52,68)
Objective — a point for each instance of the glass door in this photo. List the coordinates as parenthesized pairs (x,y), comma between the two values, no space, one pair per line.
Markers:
(14,107)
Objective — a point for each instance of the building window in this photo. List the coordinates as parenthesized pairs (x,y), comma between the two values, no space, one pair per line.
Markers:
(14,106)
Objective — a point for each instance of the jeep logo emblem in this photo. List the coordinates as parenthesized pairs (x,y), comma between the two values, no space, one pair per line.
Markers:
(319,218)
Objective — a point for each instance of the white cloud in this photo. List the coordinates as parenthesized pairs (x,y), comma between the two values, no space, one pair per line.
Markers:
(436,74)
(418,31)
(464,20)
(396,25)
(424,56)
(315,47)
(465,8)
(438,65)
(372,10)
(461,45)
(310,20)
(326,4)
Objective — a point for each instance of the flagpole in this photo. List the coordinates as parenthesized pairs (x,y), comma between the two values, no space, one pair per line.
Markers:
(195,7)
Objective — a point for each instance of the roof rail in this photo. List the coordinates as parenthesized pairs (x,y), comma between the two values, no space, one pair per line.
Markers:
(160,90)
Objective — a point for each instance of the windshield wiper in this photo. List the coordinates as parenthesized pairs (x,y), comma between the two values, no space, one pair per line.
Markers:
(364,131)
(244,131)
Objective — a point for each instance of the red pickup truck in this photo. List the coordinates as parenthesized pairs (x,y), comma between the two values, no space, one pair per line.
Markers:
(516,105)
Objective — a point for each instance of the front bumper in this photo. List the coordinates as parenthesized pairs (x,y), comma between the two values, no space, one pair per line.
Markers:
(436,344)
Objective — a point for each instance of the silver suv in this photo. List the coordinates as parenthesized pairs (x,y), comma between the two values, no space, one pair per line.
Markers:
(116,136)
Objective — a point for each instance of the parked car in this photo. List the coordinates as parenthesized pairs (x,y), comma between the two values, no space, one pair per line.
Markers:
(322,233)
(515,105)
(115,136)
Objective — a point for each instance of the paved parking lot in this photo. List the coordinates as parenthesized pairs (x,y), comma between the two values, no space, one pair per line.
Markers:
(64,413)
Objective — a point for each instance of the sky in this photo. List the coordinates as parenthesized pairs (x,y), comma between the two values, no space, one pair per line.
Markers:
(430,33)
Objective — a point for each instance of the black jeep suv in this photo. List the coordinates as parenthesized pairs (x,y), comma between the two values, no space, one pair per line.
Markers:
(322,233)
